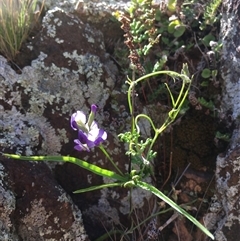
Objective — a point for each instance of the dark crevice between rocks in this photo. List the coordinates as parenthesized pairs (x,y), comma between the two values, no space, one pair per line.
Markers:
(191,141)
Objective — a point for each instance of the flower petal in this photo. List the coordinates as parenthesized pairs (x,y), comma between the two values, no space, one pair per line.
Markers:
(92,115)
(79,146)
(82,136)
(78,121)
(102,136)
(94,108)
(89,135)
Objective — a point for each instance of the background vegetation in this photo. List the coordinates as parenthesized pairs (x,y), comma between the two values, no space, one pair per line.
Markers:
(17,19)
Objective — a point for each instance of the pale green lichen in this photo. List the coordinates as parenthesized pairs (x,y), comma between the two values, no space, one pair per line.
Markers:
(138,196)
(88,65)
(59,41)
(51,28)
(76,232)
(17,135)
(7,207)
(236,166)
(103,210)
(34,224)
(228,191)
(96,11)
(62,134)
(231,61)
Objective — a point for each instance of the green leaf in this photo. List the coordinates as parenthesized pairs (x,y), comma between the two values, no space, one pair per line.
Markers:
(165,40)
(166,199)
(208,104)
(88,166)
(172,25)
(158,15)
(204,83)
(206,40)
(214,73)
(206,73)
(171,5)
(221,136)
(93,188)
(179,31)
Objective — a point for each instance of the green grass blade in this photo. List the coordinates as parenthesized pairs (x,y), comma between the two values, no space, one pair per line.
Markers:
(90,167)
(17,19)
(166,199)
(93,188)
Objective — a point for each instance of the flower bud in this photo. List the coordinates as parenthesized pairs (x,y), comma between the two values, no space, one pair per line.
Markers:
(92,115)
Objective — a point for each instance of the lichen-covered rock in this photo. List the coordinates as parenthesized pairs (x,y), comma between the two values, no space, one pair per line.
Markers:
(35,110)
(228,167)
(68,75)
(70,72)
(228,186)
(93,8)
(43,210)
(7,207)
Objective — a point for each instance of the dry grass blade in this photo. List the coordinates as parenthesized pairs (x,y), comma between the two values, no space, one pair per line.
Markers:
(17,18)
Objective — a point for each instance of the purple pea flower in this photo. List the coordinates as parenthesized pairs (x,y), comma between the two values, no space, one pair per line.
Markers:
(89,135)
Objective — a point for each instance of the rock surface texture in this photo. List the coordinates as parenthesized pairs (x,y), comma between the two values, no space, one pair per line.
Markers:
(228,164)
(68,70)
